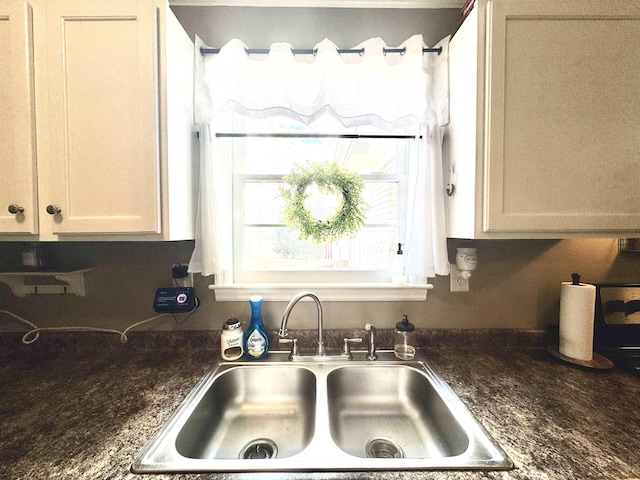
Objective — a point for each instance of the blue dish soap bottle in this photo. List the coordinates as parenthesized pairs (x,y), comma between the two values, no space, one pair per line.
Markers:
(256,338)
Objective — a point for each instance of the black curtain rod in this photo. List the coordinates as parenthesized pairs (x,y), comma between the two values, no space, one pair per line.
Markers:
(313,51)
(312,135)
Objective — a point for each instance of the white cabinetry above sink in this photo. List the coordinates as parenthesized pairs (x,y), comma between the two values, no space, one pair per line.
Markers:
(96,128)
(544,140)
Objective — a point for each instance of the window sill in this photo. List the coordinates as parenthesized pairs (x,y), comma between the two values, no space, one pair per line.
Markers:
(331,292)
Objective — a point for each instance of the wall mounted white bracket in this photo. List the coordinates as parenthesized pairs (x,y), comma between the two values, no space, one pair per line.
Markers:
(45,282)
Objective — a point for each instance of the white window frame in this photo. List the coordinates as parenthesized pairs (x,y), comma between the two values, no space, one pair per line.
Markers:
(332,292)
(349,288)
(324,276)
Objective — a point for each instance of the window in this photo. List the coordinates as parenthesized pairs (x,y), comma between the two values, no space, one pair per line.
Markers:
(259,113)
(265,249)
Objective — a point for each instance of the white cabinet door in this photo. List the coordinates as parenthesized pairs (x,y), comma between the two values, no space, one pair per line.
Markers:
(562,100)
(103,116)
(18,198)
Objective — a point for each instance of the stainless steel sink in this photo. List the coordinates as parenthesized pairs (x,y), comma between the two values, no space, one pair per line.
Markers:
(391,411)
(321,416)
(252,412)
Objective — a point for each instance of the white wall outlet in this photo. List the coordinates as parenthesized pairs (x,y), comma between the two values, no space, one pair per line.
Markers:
(458,282)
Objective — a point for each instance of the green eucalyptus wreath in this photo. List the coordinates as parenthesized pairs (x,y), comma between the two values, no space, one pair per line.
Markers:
(329,179)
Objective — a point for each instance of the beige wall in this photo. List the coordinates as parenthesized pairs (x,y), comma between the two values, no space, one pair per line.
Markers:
(517,285)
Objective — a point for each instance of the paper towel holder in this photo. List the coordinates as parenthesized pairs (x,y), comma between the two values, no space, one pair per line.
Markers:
(597,362)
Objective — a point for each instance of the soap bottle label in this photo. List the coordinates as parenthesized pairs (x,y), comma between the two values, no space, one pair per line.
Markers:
(256,344)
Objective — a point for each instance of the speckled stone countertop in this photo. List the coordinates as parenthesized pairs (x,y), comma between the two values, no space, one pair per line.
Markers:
(82,406)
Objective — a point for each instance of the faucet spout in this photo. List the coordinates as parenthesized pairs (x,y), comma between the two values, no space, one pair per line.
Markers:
(287,311)
(371,344)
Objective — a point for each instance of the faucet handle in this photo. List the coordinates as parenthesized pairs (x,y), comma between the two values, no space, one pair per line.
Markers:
(294,352)
(346,348)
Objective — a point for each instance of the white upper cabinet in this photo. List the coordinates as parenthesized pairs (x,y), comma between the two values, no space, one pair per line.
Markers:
(544,140)
(104,160)
(18,181)
(104,146)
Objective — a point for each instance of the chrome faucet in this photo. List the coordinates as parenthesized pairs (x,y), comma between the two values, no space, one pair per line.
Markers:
(371,344)
(285,319)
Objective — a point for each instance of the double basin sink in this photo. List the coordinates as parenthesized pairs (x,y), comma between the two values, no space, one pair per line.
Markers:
(277,415)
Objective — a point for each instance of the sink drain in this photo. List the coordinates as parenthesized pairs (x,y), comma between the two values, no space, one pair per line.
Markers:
(384,448)
(261,448)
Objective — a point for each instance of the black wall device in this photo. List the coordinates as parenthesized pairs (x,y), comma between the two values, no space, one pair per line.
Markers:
(175,300)
(179,270)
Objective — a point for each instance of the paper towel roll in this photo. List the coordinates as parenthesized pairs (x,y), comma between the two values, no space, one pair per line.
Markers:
(577,305)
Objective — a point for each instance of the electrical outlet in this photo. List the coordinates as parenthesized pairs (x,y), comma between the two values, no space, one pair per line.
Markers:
(457,282)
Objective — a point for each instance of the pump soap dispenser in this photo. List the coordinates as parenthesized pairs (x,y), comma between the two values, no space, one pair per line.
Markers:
(404,345)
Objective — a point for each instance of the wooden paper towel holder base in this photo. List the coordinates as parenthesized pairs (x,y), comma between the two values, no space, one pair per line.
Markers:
(598,362)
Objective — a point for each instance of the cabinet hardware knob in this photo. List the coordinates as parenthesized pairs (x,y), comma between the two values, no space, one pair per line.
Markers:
(14,209)
(53,210)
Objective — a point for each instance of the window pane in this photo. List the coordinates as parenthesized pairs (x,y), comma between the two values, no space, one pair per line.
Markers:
(264,245)
(277,155)
(263,205)
(277,248)
(259,155)
(382,197)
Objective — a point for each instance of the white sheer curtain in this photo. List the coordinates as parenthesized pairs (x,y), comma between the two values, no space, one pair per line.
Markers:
(386,90)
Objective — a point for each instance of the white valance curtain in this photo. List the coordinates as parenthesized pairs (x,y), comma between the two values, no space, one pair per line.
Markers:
(390,91)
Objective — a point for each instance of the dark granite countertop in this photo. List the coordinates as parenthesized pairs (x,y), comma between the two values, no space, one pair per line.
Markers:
(82,406)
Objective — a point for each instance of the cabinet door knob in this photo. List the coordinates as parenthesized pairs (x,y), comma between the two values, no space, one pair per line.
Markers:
(53,210)
(14,209)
